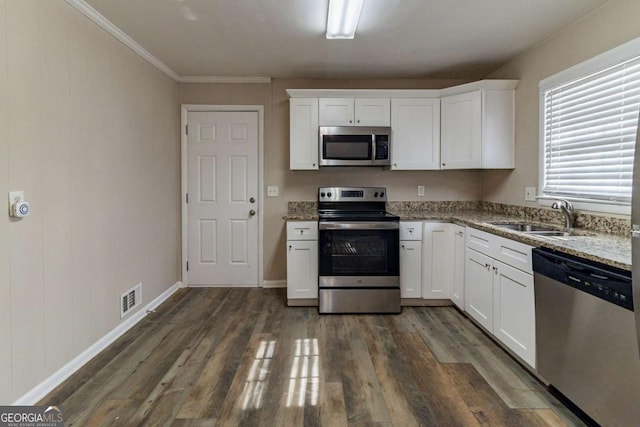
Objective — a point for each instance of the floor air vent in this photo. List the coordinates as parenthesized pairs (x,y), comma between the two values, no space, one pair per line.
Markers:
(130,300)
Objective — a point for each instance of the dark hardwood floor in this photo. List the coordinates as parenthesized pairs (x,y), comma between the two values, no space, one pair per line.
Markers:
(240,357)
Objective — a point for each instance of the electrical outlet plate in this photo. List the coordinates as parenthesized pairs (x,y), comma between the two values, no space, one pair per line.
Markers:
(530,194)
(273,191)
(420,190)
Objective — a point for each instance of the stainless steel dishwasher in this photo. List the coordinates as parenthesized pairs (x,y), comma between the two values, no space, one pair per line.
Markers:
(586,345)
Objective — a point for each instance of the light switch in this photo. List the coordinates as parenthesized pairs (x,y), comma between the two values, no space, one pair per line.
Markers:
(530,194)
(273,191)
(420,190)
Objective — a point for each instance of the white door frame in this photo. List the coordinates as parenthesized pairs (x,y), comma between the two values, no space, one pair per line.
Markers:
(185,109)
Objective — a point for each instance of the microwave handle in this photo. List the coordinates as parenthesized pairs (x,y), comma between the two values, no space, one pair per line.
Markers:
(373,146)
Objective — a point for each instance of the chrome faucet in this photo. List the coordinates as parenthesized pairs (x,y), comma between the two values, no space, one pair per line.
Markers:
(567,209)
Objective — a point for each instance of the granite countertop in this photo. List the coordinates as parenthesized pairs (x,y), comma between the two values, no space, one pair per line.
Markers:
(609,249)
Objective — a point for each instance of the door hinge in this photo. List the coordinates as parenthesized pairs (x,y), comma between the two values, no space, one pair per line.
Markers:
(186,129)
(187,265)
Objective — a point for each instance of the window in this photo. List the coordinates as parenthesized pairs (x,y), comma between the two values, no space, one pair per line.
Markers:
(589,118)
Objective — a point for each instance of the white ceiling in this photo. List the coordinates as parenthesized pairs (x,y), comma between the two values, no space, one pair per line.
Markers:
(285,38)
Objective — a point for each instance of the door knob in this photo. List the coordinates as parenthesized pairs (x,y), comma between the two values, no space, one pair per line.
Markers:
(252,212)
(252,200)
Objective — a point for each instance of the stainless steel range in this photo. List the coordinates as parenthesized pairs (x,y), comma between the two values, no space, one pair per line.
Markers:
(359,261)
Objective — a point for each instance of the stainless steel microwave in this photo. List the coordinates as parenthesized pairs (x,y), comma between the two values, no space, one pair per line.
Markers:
(354,146)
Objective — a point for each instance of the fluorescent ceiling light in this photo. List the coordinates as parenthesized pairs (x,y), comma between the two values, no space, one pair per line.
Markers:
(343,17)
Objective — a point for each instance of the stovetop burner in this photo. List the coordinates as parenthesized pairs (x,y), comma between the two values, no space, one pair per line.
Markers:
(357,216)
(353,204)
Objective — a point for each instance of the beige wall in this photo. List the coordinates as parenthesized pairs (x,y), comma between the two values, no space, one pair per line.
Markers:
(607,27)
(303,185)
(90,132)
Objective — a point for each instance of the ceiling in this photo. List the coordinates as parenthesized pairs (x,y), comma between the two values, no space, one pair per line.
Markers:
(285,38)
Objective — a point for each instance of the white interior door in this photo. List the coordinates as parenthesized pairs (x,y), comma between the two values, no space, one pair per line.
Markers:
(222,183)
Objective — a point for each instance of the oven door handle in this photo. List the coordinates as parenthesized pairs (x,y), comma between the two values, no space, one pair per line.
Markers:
(360,225)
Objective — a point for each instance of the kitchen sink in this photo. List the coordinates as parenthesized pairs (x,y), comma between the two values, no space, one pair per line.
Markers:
(538,229)
(525,228)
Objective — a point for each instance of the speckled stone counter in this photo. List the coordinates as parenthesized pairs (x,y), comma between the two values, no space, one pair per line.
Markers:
(610,249)
(591,242)
(302,211)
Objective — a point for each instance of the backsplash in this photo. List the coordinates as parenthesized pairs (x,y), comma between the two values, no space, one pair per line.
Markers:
(297,208)
(603,224)
(432,206)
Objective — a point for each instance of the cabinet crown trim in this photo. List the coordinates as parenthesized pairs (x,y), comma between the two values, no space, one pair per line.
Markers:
(403,93)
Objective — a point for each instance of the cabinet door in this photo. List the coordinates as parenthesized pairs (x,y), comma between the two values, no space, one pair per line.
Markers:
(303,133)
(410,269)
(302,269)
(437,277)
(336,112)
(415,138)
(498,129)
(461,139)
(373,111)
(457,290)
(514,321)
(478,288)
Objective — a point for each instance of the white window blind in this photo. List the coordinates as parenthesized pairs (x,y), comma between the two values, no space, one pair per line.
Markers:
(589,134)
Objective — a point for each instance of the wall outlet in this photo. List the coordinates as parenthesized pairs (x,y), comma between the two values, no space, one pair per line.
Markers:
(420,190)
(530,194)
(273,191)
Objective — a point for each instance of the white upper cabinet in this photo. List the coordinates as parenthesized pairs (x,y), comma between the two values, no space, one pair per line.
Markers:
(354,112)
(336,111)
(478,130)
(373,111)
(461,133)
(470,126)
(415,133)
(303,133)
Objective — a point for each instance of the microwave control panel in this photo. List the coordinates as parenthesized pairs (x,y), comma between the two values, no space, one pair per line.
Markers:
(382,147)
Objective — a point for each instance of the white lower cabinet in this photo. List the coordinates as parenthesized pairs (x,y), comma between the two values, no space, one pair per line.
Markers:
(500,296)
(437,244)
(479,288)
(302,260)
(514,317)
(410,259)
(410,269)
(457,289)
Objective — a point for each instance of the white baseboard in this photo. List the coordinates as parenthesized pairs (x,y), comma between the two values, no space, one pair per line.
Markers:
(41,390)
(274,284)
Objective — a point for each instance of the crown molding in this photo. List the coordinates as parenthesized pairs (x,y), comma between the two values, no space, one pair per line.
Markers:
(120,35)
(404,93)
(84,8)
(224,79)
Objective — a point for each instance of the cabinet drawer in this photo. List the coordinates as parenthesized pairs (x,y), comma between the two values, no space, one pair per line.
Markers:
(509,251)
(302,230)
(513,253)
(480,241)
(410,230)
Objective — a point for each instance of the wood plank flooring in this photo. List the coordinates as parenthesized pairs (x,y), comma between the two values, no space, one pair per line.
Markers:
(240,357)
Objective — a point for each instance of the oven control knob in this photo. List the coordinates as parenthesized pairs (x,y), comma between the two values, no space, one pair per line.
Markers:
(328,194)
(382,194)
(322,194)
(375,194)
